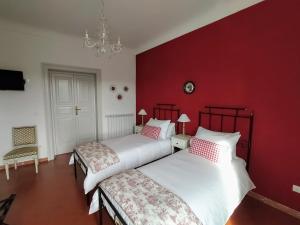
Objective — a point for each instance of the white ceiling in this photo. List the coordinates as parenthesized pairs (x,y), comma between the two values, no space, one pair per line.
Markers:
(142,24)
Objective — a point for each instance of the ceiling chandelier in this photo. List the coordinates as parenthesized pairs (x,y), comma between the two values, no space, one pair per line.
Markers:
(103,44)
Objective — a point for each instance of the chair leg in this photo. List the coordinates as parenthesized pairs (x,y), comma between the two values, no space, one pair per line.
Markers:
(15,162)
(7,171)
(36,163)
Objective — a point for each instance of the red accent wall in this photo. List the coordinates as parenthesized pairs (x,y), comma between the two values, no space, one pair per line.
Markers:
(251,58)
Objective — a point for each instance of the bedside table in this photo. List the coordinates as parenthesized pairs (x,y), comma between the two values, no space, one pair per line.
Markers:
(180,141)
(138,129)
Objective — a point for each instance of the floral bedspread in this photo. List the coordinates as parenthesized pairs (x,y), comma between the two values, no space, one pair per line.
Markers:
(146,202)
(97,155)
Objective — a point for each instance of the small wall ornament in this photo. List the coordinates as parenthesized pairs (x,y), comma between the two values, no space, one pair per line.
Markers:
(112,88)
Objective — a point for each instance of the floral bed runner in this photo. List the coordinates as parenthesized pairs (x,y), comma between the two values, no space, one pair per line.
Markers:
(98,156)
(146,202)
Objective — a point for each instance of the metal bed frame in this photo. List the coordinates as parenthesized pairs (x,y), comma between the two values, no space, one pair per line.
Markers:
(210,112)
(234,113)
(4,208)
(160,111)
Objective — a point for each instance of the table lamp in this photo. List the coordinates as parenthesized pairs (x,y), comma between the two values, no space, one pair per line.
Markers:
(142,113)
(183,119)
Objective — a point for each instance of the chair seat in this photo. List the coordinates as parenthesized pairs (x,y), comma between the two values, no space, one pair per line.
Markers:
(21,152)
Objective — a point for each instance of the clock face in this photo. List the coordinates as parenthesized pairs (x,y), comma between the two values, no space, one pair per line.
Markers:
(189,87)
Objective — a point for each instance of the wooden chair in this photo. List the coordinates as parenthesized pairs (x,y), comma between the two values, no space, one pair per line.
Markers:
(24,147)
(4,207)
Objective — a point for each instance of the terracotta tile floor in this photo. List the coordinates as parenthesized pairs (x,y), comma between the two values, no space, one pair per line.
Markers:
(53,197)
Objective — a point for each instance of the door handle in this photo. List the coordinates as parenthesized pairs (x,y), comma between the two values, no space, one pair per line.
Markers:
(76,110)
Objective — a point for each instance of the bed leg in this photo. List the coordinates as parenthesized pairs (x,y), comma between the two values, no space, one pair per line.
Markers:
(100,217)
(75,162)
(100,207)
(88,199)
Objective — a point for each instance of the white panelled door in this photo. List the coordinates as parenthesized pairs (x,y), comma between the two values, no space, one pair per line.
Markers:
(73,108)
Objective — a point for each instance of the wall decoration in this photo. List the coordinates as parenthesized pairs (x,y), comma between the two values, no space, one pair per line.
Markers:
(119,96)
(113,88)
(189,87)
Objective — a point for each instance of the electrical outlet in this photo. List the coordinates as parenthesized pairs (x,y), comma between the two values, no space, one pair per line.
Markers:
(296,188)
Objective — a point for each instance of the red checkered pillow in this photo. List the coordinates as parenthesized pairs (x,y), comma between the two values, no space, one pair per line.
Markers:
(151,132)
(207,150)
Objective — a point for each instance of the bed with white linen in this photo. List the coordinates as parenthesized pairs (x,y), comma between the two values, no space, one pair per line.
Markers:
(132,150)
(211,191)
(207,187)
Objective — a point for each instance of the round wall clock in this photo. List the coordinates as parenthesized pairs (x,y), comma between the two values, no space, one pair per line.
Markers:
(189,87)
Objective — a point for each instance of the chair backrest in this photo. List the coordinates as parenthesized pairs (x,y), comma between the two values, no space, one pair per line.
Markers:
(24,136)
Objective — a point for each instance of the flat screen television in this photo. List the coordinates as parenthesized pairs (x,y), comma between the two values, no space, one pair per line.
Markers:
(12,80)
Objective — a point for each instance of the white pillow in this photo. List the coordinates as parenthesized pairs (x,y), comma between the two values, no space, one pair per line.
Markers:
(171,130)
(163,124)
(226,139)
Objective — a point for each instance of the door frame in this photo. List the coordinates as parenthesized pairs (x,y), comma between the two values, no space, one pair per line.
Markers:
(46,67)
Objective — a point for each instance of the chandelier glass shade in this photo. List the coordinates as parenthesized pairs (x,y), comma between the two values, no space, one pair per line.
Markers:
(103,44)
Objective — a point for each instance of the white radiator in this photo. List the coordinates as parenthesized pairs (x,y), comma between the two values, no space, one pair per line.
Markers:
(119,125)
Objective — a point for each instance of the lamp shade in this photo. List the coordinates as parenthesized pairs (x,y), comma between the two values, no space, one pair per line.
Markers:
(142,112)
(184,118)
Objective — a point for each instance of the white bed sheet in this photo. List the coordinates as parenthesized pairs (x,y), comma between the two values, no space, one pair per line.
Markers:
(133,151)
(212,191)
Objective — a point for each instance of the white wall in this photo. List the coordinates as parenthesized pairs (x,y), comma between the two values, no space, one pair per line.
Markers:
(25,48)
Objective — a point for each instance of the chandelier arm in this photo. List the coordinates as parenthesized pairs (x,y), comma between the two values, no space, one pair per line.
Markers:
(90,44)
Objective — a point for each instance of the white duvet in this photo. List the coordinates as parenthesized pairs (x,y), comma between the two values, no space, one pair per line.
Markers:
(133,151)
(211,191)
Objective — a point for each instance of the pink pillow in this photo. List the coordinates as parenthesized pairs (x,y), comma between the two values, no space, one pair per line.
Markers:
(207,149)
(151,132)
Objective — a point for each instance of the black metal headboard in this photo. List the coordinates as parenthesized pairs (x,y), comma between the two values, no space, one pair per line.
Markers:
(167,112)
(228,119)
